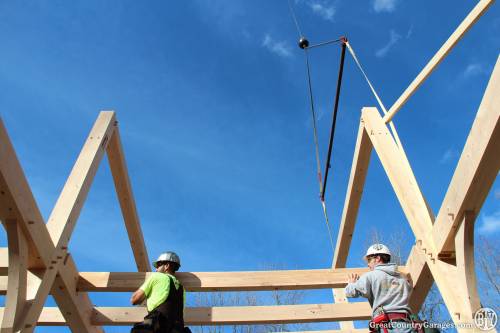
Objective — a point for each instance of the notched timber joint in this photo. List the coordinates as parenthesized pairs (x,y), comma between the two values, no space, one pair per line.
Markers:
(104,142)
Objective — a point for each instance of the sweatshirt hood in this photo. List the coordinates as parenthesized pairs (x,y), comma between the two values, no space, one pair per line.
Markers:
(390,269)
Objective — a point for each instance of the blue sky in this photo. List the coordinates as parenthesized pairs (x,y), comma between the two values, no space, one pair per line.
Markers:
(211,97)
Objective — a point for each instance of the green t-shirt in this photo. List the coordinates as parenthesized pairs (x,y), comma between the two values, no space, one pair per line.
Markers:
(157,289)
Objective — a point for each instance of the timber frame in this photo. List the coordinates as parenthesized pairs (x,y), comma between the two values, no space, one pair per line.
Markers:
(37,263)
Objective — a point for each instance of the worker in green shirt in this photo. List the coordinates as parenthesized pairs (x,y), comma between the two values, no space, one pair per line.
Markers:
(164,295)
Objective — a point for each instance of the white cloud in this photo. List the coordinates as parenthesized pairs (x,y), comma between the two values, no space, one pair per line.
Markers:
(279,48)
(473,70)
(395,37)
(323,9)
(490,223)
(448,155)
(410,32)
(384,5)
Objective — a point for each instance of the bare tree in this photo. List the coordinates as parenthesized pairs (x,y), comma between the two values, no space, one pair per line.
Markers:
(433,309)
(275,297)
(395,241)
(488,268)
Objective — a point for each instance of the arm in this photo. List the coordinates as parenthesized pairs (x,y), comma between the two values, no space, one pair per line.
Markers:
(137,297)
(358,286)
(143,292)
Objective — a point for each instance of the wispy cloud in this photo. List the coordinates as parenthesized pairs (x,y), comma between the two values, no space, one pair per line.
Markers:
(280,48)
(473,70)
(497,194)
(490,223)
(410,32)
(394,38)
(323,9)
(448,155)
(384,5)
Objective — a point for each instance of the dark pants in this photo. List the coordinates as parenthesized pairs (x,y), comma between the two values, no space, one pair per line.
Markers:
(156,322)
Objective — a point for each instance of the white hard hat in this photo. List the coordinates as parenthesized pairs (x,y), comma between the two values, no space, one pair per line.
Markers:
(377,249)
(167,256)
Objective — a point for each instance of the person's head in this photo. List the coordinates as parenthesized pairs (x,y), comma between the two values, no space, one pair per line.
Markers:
(168,262)
(377,254)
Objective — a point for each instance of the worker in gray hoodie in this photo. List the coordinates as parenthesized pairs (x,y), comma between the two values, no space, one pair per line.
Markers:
(387,291)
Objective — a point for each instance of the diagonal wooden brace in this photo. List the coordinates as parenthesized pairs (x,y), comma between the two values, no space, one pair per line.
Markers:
(18,202)
(446,275)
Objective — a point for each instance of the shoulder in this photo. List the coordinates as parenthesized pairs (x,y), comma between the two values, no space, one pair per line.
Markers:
(369,275)
(175,280)
(156,276)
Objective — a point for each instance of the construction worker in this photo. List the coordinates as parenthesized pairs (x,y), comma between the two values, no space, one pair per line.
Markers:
(164,295)
(387,291)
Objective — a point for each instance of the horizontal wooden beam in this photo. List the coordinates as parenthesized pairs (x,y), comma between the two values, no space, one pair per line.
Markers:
(466,24)
(219,281)
(4,261)
(3,285)
(244,315)
(225,281)
(50,316)
(476,170)
(233,315)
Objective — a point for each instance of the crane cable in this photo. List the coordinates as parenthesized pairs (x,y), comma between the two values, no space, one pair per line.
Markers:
(304,44)
(313,120)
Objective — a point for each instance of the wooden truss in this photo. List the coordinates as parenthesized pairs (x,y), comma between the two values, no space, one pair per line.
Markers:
(37,263)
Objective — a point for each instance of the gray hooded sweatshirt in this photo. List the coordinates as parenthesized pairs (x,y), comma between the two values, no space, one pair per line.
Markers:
(384,286)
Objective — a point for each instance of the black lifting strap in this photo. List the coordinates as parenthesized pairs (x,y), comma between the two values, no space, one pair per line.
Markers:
(334,120)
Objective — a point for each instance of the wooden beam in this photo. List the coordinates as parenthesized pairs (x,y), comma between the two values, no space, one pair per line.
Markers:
(245,315)
(50,316)
(4,261)
(217,281)
(65,213)
(400,175)
(127,202)
(447,275)
(15,302)
(421,278)
(3,285)
(233,315)
(466,24)
(225,281)
(464,243)
(357,178)
(476,170)
(340,298)
(17,202)
(32,279)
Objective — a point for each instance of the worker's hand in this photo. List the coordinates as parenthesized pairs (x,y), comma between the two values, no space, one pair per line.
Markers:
(351,278)
(138,297)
